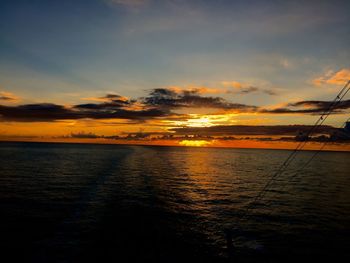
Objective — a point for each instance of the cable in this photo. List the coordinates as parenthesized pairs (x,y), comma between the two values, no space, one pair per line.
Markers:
(291,157)
(306,164)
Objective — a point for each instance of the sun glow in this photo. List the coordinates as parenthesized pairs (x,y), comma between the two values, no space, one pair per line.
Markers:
(197,120)
(201,122)
(195,143)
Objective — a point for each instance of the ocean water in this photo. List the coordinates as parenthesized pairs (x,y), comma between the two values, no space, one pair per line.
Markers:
(111,203)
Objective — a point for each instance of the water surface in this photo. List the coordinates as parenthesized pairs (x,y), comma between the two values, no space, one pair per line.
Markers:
(81,203)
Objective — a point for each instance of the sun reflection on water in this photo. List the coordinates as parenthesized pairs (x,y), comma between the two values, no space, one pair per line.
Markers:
(196,143)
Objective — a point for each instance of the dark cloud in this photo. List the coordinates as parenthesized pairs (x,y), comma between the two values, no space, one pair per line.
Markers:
(83,135)
(36,112)
(250,130)
(4,97)
(53,112)
(118,99)
(166,98)
(112,97)
(322,104)
(110,102)
(249,89)
(161,103)
(310,107)
(103,106)
(240,88)
(8,96)
(245,90)
(252,89)
(270,92)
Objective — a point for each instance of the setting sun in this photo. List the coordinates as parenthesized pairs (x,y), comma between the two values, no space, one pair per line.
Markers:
(195,143)
(174,130)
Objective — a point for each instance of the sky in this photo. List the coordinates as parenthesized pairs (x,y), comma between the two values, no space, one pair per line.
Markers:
(113,67)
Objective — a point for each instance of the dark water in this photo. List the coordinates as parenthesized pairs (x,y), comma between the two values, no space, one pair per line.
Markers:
(108,203)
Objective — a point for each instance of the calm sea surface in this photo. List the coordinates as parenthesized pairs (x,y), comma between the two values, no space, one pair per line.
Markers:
(107,203)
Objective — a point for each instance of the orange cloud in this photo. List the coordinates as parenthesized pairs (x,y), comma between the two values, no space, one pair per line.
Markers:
(340,77)
(227,87)
(107,98)
(195,89)
(8,97)
(232,84)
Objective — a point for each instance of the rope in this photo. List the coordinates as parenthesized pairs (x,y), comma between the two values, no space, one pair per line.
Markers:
(306,164)
(292,156)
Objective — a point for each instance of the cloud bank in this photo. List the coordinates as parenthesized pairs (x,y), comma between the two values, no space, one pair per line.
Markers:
(251,130)
(162,103)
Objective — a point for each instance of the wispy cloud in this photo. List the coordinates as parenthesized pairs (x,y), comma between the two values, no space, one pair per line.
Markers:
(8,97)
(285,63)
(243,88)
(195,89)
(108,98)
(128,3)
(334,78)
(225,87)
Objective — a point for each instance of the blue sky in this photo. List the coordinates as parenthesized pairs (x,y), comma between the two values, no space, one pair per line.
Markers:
(63,51)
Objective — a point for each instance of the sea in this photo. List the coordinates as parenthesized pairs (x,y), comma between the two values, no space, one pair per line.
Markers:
(117,203)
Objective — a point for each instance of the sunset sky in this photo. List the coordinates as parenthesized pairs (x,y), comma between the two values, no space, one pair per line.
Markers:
(113,67)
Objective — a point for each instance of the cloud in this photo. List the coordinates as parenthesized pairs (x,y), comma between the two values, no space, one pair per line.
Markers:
(270,92)
(224,87)
(250,130)
(8,97)
(242,88)
(286,63)
(196,89)
(109,102)
(310,107)
(162,103)
(128,3)
(232,84)
(247,90)
(167,98)
(84,135)
(35,112)
(340,77)
(46,112)
(108,97)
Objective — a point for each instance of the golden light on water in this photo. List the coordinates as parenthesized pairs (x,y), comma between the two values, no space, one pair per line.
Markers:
(195,143)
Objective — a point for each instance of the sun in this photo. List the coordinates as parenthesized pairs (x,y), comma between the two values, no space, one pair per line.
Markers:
(196,120)
(200,122)
(195,143)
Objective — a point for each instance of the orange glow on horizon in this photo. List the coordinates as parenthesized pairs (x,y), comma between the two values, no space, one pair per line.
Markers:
(217,143)
(195,143)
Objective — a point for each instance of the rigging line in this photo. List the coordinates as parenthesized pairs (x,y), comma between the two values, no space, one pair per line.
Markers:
(324,115)
(291,157)
(320,120)
(323,119)
(320,149)
(304,166)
